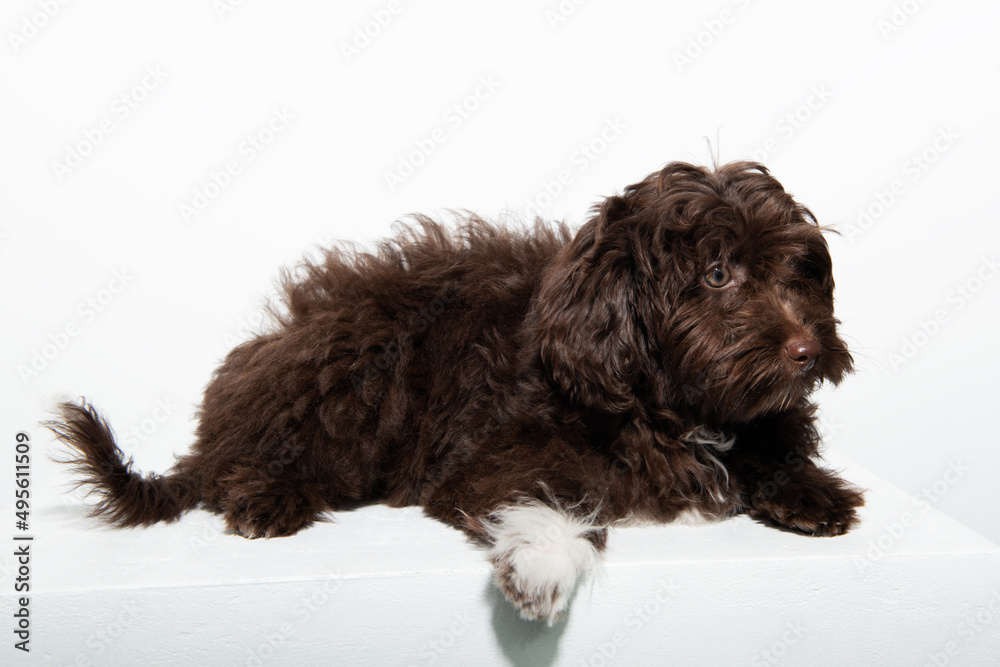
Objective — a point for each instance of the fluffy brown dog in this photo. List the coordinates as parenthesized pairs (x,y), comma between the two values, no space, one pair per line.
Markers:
(530,387)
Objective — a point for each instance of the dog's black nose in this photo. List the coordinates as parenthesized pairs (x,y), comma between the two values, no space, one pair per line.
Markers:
(803,351)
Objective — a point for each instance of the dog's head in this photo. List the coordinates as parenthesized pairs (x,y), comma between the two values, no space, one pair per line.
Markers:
(699,291)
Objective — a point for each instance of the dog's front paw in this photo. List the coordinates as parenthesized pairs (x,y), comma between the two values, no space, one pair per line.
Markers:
(530,586)
(538,555)
(822,510)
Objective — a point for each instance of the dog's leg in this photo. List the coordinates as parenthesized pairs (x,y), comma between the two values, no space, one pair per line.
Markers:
(256,503)
(539,552)
(805,498)
(780,484)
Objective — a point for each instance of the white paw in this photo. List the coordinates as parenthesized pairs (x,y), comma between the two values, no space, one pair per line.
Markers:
(538,555)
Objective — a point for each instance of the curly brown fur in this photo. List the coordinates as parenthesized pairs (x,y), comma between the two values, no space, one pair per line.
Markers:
(654,364)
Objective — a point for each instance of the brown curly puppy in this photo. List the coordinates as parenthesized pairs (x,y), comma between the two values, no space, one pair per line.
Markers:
(531,387)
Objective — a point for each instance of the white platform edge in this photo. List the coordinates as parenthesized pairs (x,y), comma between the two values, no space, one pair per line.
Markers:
(385,586)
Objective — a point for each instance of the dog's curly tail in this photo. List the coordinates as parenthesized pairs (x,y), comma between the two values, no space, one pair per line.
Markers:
(126,497)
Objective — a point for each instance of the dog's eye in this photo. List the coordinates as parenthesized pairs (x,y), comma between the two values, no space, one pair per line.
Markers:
(813,270)
(717,277)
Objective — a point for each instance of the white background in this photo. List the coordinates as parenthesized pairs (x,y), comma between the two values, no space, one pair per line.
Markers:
(840,101)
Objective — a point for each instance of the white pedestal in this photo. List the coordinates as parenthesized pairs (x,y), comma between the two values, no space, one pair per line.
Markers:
(390,587)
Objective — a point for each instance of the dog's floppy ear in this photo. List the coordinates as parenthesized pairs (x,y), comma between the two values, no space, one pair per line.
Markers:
(585,317)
